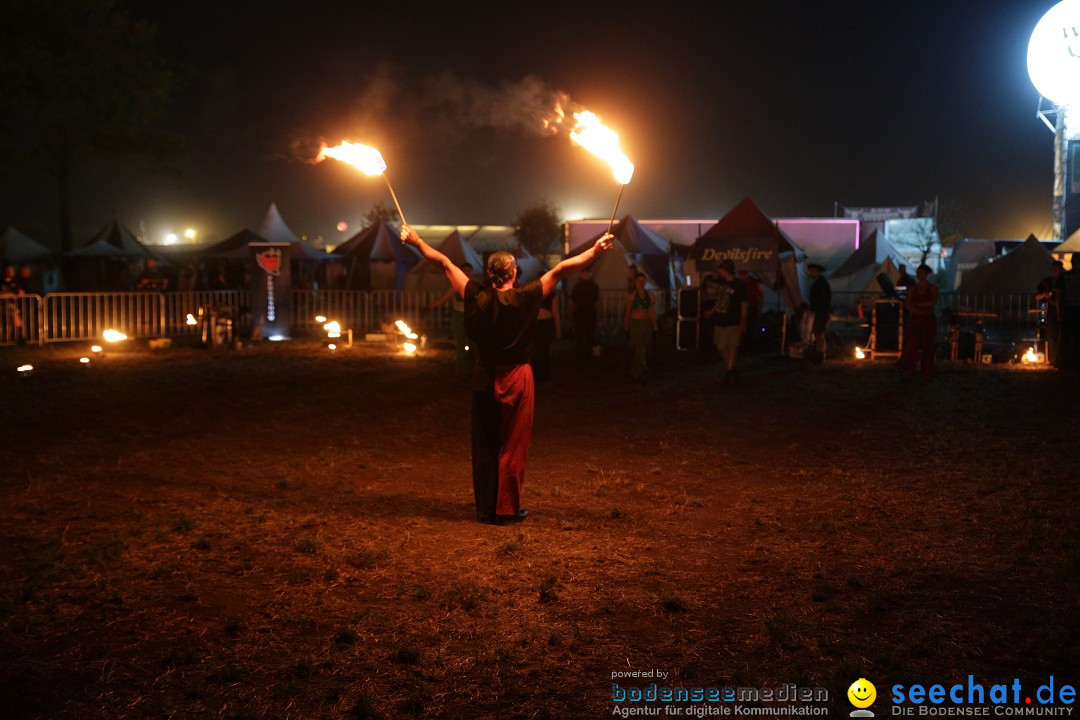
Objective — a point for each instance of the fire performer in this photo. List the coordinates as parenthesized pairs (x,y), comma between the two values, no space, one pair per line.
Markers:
(500,319)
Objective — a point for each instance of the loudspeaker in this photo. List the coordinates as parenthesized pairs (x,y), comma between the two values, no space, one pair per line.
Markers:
(886,286)
(686,335)
(886,319)
(689,302)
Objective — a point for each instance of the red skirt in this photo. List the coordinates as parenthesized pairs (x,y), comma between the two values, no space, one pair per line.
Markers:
(502,421)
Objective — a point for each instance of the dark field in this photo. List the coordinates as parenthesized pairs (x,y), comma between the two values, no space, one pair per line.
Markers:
(282,533)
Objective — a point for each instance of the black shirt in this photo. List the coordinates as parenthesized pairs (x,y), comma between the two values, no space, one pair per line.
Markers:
(585,295)
(501,324)
(821,297)
(727,309)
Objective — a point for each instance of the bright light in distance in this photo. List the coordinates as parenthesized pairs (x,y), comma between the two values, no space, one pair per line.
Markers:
(342,226)
(320,318)
(190,233)
(191,320)
(1053,57)
(111,335)
(170,238)
(95,348)
(410,348)
(25,368)
(276,338)
(859,354)
(84,360)
(332,346)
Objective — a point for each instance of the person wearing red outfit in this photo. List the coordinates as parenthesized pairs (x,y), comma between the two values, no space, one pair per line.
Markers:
(920,325)
(501,320)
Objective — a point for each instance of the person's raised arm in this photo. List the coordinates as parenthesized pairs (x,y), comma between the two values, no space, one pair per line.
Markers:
(572,264)
(457,277)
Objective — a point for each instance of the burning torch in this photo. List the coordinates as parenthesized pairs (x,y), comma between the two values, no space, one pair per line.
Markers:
(367,160)
(603,142)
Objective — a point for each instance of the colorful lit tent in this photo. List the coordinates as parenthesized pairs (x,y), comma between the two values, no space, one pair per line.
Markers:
(18,249)
(376,259)
(1018,271)
(748,237)
(428,276)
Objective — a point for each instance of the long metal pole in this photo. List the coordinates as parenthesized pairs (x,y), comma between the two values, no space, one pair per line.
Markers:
(611,222)
(396,203)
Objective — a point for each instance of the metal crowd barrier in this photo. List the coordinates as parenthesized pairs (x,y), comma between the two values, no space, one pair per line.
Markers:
(1001,312)
(61,317)
(84,316)
(20,319)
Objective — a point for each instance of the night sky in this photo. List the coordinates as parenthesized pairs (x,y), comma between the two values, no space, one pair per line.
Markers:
(796,104)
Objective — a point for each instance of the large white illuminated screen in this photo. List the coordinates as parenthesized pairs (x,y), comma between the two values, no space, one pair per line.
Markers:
(1054,54)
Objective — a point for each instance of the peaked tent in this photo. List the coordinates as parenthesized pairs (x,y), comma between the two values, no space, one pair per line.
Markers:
(114,241)
(18,249)
(530,267)
(109,261)
(1018,271)
(747,236)
(858,273)
(611,271)
(376,259)
(862,286)
(652,251)
(1072,244)
(274,229)
(967,255)
(427,276)
(235,246)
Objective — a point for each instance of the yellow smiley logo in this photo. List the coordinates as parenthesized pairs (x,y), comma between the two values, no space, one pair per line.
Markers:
(862,693)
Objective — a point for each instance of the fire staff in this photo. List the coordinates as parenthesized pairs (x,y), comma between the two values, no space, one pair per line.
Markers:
(500,319)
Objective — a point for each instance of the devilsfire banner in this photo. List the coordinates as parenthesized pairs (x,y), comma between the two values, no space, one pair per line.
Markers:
(750,254)
(271,290)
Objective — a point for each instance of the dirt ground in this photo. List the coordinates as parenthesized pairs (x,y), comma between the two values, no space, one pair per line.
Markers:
(282,532)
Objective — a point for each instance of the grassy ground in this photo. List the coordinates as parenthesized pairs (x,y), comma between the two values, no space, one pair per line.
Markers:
(284,533)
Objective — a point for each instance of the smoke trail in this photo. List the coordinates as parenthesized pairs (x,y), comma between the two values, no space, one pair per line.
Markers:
(444,110)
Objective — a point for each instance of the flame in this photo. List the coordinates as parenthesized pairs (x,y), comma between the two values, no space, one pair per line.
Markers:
(333,329)
(332,346)
(95,348)
(406,330)
(1030,356)
(366,159)
(111,335)
(603,142)
(410,348)
(859,354)
(320,318)
(25,368)
(191,320)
